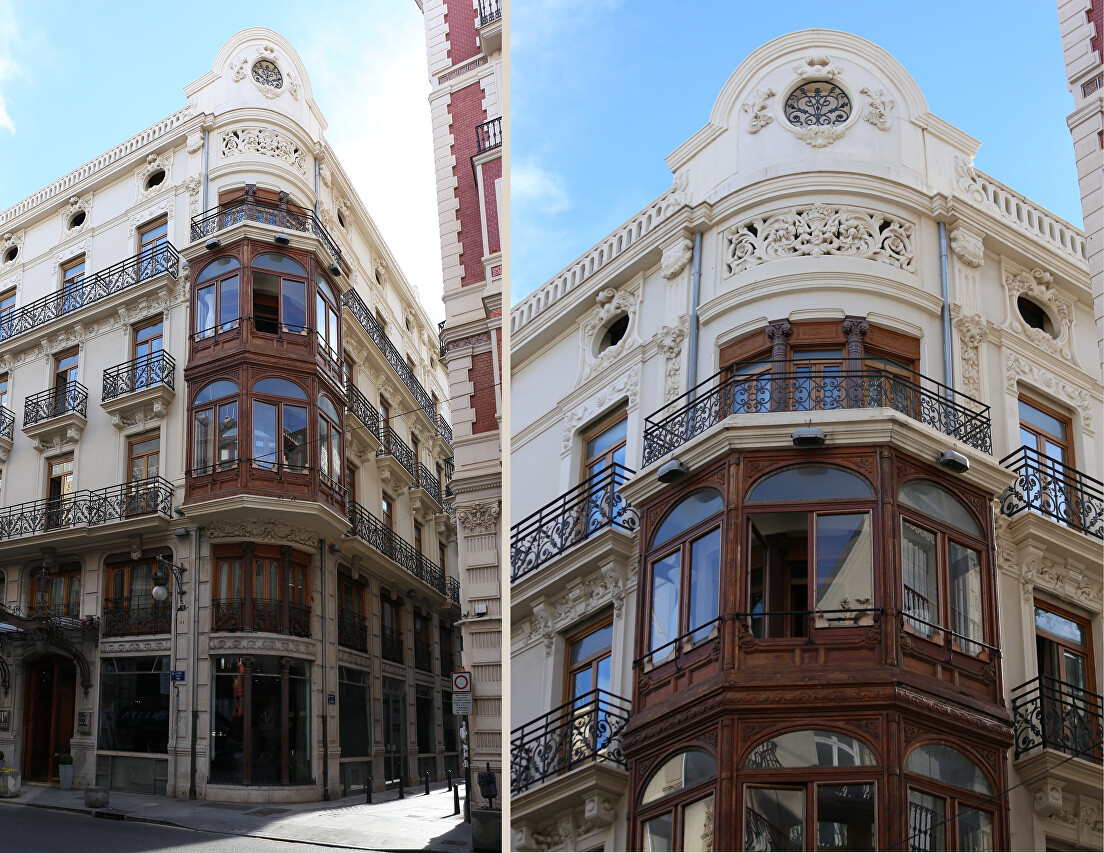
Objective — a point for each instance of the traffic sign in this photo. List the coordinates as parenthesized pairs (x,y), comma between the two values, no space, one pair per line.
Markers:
(461,703)
(461,682)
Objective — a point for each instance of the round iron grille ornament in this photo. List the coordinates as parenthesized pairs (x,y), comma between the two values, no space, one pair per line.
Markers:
(817,103)
(266,73)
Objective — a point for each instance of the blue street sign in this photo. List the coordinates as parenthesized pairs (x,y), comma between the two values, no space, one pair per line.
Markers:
(177,675)
(331,699)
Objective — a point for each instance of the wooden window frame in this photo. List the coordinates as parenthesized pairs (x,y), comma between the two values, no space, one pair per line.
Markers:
(69,576)
(592,661)
(1041,434)
(146,228)
(1086,651)
(203,336)
(395,605)
(282,326)
(676,802)
(62,356)
(596,429)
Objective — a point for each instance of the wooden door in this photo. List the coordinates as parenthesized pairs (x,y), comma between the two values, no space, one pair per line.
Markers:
(47,716)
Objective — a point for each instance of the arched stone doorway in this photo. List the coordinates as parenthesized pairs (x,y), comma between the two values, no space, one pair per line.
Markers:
(47,715)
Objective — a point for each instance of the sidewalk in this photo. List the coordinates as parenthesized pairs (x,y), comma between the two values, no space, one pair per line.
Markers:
(417,822)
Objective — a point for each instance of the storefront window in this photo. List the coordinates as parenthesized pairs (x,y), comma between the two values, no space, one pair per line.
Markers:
(354,712)
(134,704)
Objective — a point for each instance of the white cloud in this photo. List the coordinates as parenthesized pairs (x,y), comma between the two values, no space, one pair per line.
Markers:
(9,68)
(536,190)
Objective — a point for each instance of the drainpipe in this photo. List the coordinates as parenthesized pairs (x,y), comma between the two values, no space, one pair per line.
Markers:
(692,344)
(195,650)
(315,187)
(205,157)
(325,695)
(948,371)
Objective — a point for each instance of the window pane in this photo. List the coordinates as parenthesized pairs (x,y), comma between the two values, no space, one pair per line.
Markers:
(295,437)
(680,771)
(657,833)
(931,500)
(591,644)
(809,483)
(779,574)
(964,569)
(264,434)
(333,333)
(811,748)
(844,560)
(320,320)
(323,447)
(205,311)
(134,704)
(616,433)
(141,584)
(326,406)
(216,389)
(217,268)
(975,829)
(1041,420)
(926,827)
(665,602)
(918,569)
(705,572)
(354,713)
(228,434)
(697,826)
(294,310)
(693,509)
(1059,626)
(203,445)
(279,388)
(281,263)
(775,819)
(948,766)
(228,307)
(845,817)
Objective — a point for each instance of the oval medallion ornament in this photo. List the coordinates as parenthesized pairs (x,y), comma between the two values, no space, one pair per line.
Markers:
(817,104)
(266,73)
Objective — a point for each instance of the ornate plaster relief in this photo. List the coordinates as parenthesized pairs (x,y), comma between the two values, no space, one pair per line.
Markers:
(611,304)
(265,142)
(627,384)
(1036,285)
(154,163)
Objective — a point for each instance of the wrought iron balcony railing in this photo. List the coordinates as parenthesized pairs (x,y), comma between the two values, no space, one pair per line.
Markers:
(1049,487)
(152,496)
(252,209)
(359,405)
(359,310)
(450,469)
(454,589)
(124,617)
(814,386)
(394,446)
(146,371)
(585,730)
(489,134)
(390,544)
(391,645)
(1052,714)
(428,481)
(352,630)
(145,265)
(570,519)
(423,656)
(489,11)
(7,423)
(444,430)
(55,402)
(274,616)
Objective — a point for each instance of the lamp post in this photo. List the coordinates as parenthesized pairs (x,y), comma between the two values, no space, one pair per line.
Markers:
(161,579)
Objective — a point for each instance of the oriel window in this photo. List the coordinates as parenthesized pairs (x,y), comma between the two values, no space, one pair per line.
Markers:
(279,425)
(216,298)
(215,427)
(279,294)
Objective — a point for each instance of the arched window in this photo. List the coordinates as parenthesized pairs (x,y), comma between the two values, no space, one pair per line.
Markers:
(941,566)
(946,789)
(279,425)
(685,573)
(677,804)
(809,567)
(279,294)
(810,781)
(329,442)
(327,310)
(217,303)
(215,427)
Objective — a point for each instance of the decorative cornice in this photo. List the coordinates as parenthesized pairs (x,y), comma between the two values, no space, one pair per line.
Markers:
(256,530)
(122,647)
(263,645)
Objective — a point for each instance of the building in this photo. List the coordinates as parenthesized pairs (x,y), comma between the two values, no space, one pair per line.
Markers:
(818,564)
(464,55)
(223,547)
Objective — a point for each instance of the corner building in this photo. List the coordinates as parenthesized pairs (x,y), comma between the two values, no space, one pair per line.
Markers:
(832,408)
(215,362)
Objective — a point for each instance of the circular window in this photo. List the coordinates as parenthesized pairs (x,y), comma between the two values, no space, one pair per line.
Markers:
(1035,315)
(11,254)
(341,219)
(818,103)
(614,333)
(77,220)
(266,73)
(156,179)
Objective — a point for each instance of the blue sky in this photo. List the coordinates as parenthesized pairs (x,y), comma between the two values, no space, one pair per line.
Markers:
(602,90)
(77,78)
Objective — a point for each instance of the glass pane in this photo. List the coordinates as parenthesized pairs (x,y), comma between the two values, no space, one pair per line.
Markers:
(332,319)
(323,447)
(1028,438)
(582,682)
(975,829)
(228,434)
(844,560)
(948,766)
(228,306)
(1074,669)
(933,501)
(811,748)
(217,268)
(775,819)
(354,714)
(205,311)
(266,761)
(141,584)
(697,826)
(295,437)
(809,483)
(665,603)
(705,574)
(845,817)
(325,289)
(657,833)
(1059,626)
(279,388)
(693,509)
(228,722)
(326,406)
(203,445)
(281,263)
(926,825)
(918,570)
(294,309)
(591,644)
(604,674)
(1041,420)
(964,570)
(216,389)
(614,434)
(680,771)
(264,434)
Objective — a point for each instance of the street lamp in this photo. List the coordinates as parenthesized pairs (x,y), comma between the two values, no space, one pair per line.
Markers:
(161,579)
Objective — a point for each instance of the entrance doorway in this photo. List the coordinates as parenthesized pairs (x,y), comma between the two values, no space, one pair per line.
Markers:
(394,731)
(47,716)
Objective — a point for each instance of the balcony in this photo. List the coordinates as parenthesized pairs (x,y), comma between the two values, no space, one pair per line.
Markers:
(359,407)
(372,531)
(352,630)
(248,209)
(54,419)
(489,135)
(1051,714)
(145,385)
(145,266)
(584,731)
(128,618)
(813,386)
(571,518)
(7,432)
(490,26)
(426,487)
(395,461)
(1046,486)
(269,615)
(391,645)
(135,500)
(423,656)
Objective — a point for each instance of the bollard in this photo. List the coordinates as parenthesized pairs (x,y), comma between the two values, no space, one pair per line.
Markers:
(402,788)
(427,783)
(456,799)
(448,777)
(368,791)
